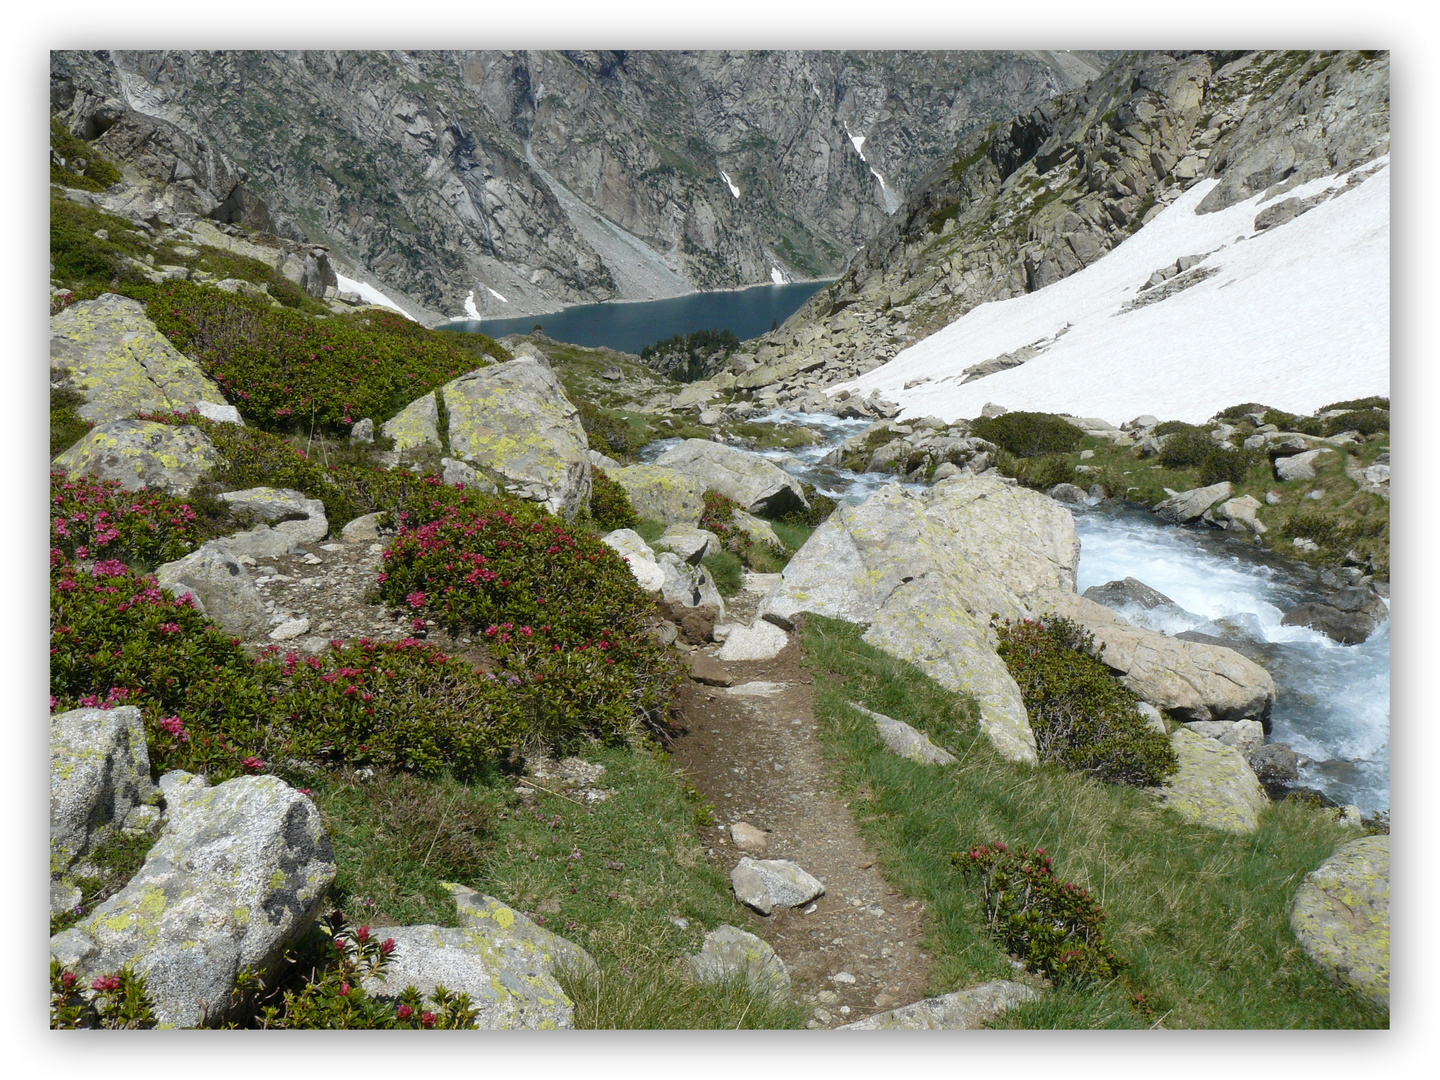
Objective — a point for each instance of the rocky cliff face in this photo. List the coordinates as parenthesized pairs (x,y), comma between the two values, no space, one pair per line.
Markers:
(1026,203)
(516,182)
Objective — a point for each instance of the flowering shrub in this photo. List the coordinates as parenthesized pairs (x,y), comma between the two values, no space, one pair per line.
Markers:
(285,371)
(98,519)
(116,1001)
(1082,717)
(561,613)
(330,967)
(718,516)
(1055,927)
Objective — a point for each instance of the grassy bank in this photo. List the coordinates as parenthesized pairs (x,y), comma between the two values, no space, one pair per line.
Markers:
(616,877)
(1201,916)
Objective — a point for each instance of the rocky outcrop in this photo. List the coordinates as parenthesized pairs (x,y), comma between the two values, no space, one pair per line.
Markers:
(514,420)
(1187,506)
(416,425)
(690,543)
(1187,679)
(99,785)
(962,1010)
(220,587)
(534,179)
(1341,917)
(503,960)
(1214,785)
(1348,616)
(757,485)
(141,454)
(238,872)
(1027,202)
(927,573)
(759,641)
(120,362)
(286,519)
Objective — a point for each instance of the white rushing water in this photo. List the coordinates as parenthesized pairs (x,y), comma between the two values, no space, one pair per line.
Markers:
(1333,701)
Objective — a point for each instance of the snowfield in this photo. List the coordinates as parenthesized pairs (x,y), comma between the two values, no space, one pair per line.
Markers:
(369,294)
(1295,317)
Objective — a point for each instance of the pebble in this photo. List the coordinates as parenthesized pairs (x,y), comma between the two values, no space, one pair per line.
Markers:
(311,560)
(290,628)
(843,977)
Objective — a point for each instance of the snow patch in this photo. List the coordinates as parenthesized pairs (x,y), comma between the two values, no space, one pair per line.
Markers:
(776,276)
(470,309)
(858,141)
(1295,317)
(369,294)
(495,294)
(729,183)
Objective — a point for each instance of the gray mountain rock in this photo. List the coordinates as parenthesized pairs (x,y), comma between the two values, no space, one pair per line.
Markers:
(142,454)
(1214,786)
(221,587)
(962,1010)
(729,951)
(1341,916)
(756,484)
(900,738)
(239,871)
(767,884)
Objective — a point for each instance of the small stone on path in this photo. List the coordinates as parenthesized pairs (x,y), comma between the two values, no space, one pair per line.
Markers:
(705,669)
(748,838)
(766,884)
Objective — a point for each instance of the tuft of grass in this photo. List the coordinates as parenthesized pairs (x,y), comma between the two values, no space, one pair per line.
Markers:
(649,529)
(655,995)
(1201,916)
(727,570)
(67,426)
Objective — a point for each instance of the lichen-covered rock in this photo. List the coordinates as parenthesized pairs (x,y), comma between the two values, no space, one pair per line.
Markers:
(99,774)
(690,543)
(287,519)
(122,364)
(1190,680)
(756,484)
(660,494)
(757,529)
(142,454)
(515,420)
(729,951)
(1341,916)
(1214,785)
(1301,466)
(418,424)
(502,959)
(900,738)
(239,871)
(961,1010)
(759,641)
(221,587)
(457,472)
(766,884)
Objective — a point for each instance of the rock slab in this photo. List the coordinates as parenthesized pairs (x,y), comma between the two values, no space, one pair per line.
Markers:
(757,485)
(141,454)
(239,871)
(1341,916)
(767,884)
(221,587)
(1214,786)
(962,1010)
(729,951)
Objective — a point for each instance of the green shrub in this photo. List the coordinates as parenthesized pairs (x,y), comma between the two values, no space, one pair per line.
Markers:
(1223,463)
(1305,425)
(1186,447)
(98,172)
(1081,715)
(98,519)
(1055,927)
(610,506)
(287,372)
(606,433)
(1358,404)
(67,426)
(293,296)
(1171,427)
(1041,473)
(82,258)
(718,517)
(1240,412)
(560,612)
(821,507)
(1365,421)
(1029,434)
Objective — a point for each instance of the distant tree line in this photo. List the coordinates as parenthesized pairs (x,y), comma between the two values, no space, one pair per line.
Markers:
(684,356)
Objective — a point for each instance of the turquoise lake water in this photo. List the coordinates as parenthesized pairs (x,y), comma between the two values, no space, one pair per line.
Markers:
(629,327)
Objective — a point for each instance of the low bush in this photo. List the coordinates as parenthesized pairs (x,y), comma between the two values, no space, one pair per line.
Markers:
(560,612)
(1082,717)
(1357,404)
(610,506)
(287,372)
(117,1001)
(1305,425)
(821,507)
(1056,928)
(96,174)
(718,517)
(1223,463)
(1365,421)
(83,259)
(1185,447)
(98,519)
(67,426)
(606,432)
(1029,434)
(1041,473)
(1240,412)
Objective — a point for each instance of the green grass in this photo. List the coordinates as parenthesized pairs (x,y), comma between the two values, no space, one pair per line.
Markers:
(639,866)
(727,570)
(650,530)
(1201,916)
(792,536)
(67,426)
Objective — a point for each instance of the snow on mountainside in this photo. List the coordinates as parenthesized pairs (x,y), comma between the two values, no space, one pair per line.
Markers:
(1296,316)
